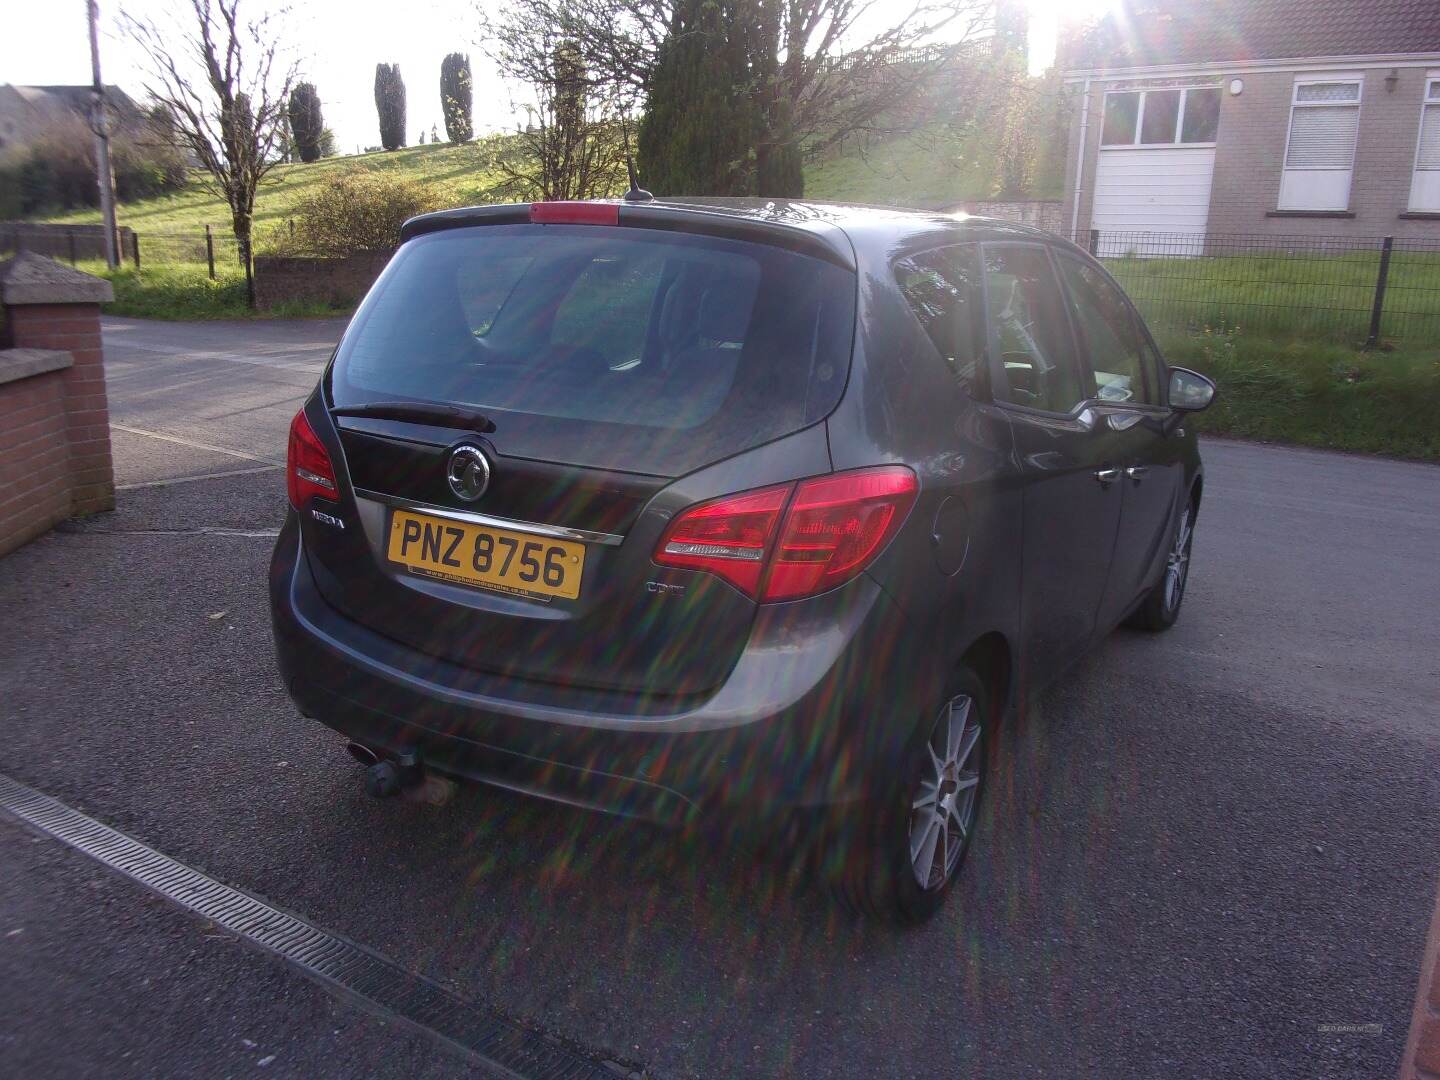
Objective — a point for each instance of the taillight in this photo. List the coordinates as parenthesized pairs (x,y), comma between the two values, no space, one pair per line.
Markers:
(308,471)
(832,528)
(728,537)
(574,213)
(835,526)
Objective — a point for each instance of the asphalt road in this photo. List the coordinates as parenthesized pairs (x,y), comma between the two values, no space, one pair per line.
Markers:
(1206,846)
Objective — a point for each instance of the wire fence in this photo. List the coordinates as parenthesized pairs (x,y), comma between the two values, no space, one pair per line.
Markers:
(1362,290)
(213,250)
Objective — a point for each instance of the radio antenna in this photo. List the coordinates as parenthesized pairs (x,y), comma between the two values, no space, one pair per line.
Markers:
(636,192)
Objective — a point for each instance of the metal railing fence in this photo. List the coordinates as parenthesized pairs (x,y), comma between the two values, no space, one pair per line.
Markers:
(1362,290)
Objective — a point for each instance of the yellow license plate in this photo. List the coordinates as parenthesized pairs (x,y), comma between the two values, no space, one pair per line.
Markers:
(486,557)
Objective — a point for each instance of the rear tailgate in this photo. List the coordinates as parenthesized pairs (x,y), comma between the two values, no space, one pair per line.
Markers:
(612,363)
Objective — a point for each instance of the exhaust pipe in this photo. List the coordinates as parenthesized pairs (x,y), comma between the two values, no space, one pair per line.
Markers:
(362,753)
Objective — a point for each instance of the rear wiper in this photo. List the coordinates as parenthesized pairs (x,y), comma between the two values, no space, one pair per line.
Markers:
(419,412)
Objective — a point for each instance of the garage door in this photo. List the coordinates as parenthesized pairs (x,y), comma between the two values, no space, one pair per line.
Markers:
(1153,201)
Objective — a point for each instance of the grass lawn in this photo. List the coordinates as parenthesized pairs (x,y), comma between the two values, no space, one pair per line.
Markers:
(1317,393)
(185,291)
(1289,296)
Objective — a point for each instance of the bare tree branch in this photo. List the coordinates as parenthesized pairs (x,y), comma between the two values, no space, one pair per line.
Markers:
(225,83)
(836,66)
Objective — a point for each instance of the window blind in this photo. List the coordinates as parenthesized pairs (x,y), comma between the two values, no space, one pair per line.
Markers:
(1428,158)
(1322,137)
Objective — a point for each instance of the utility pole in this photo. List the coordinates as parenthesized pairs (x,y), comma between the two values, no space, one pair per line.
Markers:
(100,123)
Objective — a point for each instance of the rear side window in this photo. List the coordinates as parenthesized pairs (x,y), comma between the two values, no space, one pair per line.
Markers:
(942,287)
(620,348)
(1117,354)
(1030,334)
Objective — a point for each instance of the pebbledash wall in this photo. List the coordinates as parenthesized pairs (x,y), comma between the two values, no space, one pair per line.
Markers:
(1249,151)
(54,417)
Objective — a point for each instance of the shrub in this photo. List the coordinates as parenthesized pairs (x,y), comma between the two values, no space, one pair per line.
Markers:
(356,211)
(57,170)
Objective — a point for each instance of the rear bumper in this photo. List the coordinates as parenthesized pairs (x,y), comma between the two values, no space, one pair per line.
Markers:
(818,702)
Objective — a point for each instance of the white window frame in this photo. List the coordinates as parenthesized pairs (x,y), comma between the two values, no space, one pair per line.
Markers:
(1425,184)
(1288,199)
(1175,142)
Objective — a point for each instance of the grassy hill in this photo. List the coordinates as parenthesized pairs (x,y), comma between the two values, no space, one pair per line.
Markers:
(922,169)
(460,173)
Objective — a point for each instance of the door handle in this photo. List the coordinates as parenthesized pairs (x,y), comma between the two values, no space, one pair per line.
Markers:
(1107,475)
(1138,472)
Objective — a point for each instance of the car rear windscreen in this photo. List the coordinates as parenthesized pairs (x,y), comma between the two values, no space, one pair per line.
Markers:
(620,348)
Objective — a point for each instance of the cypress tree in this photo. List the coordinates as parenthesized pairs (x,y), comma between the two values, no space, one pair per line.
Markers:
(390,104)
(456,89)
(698,132)
(306,122)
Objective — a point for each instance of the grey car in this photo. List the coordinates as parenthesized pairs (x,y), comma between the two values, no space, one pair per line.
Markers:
(703,511)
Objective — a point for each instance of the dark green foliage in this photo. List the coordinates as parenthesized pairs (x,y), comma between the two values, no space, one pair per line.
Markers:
(718,121)
(456,90)
(307,125)
(779,169)
(57,170)
(390,104)
(700,125)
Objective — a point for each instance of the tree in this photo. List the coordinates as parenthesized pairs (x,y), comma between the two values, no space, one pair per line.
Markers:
(456,92)
(570,148)
(225,85)
(307,123)
(698,133)
(390,104)
(818,71)
(327,143)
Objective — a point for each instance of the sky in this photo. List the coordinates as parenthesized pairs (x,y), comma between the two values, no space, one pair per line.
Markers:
(338,44)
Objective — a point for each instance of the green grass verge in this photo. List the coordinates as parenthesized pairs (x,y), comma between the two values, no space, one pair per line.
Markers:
(1288,296)
(185,291)
(1320,394)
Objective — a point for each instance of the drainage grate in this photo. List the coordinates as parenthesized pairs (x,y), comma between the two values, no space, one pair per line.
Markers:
(506,1048)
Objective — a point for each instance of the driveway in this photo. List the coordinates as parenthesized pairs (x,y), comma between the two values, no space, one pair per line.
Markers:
(1212,852)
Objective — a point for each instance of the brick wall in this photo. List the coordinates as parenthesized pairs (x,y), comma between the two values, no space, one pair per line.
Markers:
(75,328)
(34,451)
(337,282)
(1251,155)
(54,417)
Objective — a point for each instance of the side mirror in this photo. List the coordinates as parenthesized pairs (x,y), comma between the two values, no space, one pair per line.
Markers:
(1189,390)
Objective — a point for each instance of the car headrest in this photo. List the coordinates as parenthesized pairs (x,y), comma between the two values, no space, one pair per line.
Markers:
(725,308)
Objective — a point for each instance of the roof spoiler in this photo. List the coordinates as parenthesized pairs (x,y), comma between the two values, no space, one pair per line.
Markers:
(650,215)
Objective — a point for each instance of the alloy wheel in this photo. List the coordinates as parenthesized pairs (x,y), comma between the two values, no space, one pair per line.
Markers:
(1177,564)
(943,813)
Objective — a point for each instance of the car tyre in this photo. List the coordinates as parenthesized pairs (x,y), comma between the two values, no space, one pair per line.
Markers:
(1161,606)
(924,824)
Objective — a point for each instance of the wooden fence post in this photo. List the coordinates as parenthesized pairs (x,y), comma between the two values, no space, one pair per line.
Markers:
(210,251)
